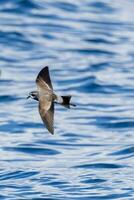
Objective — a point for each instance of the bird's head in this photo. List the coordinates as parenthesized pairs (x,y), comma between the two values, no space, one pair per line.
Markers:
(33,95)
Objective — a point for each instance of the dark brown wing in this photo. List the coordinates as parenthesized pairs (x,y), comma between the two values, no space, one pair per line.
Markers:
(47,116)
(43,88)
(44,75)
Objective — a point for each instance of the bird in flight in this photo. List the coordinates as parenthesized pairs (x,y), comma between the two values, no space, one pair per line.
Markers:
(46,97)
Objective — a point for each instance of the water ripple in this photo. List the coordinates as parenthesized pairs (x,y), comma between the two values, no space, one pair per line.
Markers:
(88,47)
(99,166)
(32,150)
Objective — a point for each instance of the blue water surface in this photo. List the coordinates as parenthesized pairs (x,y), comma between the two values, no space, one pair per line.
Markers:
(89,48)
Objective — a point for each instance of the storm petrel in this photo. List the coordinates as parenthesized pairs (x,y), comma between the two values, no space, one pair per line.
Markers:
(46,97)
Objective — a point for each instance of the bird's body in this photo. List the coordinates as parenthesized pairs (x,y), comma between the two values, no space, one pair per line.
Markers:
(46,97)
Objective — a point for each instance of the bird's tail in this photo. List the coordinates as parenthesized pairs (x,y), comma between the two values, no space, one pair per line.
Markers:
(66,101)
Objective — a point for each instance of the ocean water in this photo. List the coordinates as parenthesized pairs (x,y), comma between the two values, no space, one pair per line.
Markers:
(89,48)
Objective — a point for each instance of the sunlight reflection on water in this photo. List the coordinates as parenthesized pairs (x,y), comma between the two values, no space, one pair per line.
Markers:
(89,49)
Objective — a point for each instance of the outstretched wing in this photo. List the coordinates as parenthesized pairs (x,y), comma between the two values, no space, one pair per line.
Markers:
(46,110)
(44,75)
(43,88)
(46,105)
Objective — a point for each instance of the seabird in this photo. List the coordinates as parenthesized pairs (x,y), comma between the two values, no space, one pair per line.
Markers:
(46,97)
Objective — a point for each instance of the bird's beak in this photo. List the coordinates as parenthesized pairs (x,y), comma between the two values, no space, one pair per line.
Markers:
(28,96)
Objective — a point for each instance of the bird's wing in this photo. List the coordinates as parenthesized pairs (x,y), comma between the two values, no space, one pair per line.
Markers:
(46,105)
(43,88)
(44,75)
(46,110)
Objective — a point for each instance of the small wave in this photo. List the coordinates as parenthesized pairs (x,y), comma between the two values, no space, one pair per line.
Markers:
(7,98)
(66,6)
(92,51)
(32,150)
(129,150)
(100,166)
(17,127)
(117,124)
(101,7)
(94,181)
(17,175)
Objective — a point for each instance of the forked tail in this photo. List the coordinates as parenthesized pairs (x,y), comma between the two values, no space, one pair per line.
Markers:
(66,101)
